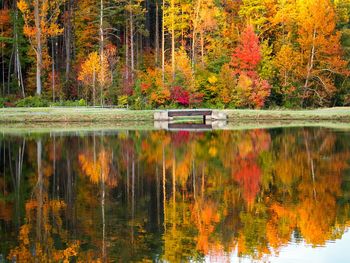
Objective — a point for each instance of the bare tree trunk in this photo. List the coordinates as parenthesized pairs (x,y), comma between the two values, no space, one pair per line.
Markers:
(126,52)
(157,34)
(173,39)
(163,43)
(202,47)
(310,65)
(39,55)
(53,69)
(148,24)
(131,16)
(9,70)
(194,33)
(137,46)
(101,52)
(3,64)
(68,39)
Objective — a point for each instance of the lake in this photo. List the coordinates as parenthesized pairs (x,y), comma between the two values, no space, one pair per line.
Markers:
(271,195)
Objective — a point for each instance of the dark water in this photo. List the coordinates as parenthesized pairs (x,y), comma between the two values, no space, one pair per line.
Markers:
(262,195)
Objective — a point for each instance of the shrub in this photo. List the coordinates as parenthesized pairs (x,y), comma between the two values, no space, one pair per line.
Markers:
(123,100)
(30,101)
(181,96)
(70,103)
(3,101)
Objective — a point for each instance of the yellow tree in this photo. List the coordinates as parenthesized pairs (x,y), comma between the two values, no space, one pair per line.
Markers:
(320,48)
(40,22)
(89,72)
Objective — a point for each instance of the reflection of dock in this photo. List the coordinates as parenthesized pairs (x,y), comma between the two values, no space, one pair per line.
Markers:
(176,126)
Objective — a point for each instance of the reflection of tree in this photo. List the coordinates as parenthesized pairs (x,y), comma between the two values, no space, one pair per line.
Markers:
(43,225)
(178,196)
(100,169)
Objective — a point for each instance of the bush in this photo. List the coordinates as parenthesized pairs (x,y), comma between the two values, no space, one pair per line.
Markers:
(3,102)
(70,103)
(123,100)
(30,101)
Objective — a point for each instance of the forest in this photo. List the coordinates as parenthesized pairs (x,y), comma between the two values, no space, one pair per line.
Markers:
(148,54)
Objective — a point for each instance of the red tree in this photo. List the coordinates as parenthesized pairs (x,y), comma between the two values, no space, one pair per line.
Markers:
(247,55)
(252,90)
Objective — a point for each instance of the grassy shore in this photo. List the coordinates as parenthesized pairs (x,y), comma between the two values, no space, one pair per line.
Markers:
(82,114)
(79,128)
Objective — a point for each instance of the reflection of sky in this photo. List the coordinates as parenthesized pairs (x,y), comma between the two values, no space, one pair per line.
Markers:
(337,251)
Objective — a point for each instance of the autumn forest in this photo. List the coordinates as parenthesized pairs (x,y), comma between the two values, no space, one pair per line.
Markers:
(150,54)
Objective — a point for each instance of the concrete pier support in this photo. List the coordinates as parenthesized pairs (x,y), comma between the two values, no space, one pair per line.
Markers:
(162,116)
(218,115)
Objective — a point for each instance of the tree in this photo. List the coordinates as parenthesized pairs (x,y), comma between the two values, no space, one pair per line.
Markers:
(321,51)
(247,55)
(250,89)
(40,22)
(89,72)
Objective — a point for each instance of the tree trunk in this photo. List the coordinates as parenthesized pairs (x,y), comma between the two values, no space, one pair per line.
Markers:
(68,40)
(131,16)
(194,33)
(310,65)
(173,39)
(3,64)
(53,69)
(202,46)
(157,34)
(163,43)
(101,52)
(39,55)
(126,53)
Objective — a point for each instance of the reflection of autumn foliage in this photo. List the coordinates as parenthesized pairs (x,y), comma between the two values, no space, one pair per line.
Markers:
(205,216)
(5,211)
(245,167)
(100,170)
(206,194)
(248,176)
(43,223)
(5,207)
(180,138)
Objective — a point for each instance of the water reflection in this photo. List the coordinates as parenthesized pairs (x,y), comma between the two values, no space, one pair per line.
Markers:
(172,196)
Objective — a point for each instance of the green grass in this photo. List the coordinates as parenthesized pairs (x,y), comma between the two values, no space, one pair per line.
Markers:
(79,128)
(78,114)
(337,113)
(103,115)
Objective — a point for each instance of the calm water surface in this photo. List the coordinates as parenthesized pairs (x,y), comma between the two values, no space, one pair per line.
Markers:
(252,195)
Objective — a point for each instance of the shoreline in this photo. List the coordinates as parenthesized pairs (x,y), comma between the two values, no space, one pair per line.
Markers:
(105,115)
(79,128)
